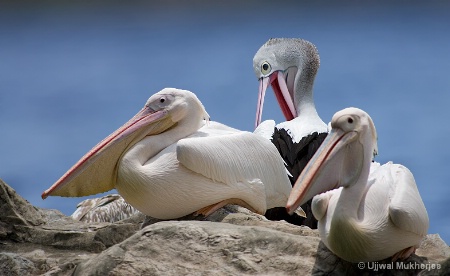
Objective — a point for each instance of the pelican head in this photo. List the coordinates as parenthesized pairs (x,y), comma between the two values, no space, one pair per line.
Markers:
(96,172)
(342,159)
(178,104)
(289,65)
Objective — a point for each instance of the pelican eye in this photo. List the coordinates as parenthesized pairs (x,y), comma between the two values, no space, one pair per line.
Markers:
(162,100)
(265,68)
(350,120)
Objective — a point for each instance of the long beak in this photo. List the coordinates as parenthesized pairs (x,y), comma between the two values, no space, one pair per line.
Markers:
(284,97)
(263,83)
(96,171)
(324,171)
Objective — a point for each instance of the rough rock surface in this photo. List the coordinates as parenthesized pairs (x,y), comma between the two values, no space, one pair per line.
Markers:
(232,241)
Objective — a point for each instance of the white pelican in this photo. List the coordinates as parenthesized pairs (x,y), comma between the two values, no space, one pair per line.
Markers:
(108,208)
(168,161)
(290,66)
(363,217)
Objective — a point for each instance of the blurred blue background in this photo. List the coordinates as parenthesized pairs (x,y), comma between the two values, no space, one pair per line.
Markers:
(70,74)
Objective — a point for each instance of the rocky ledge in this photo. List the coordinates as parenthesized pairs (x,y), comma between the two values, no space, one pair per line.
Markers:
(232,241)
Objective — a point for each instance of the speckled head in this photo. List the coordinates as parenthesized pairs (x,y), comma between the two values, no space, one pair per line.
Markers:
(290,66)
(278,54)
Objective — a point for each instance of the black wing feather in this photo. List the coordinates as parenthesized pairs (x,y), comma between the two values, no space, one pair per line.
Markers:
(296,156)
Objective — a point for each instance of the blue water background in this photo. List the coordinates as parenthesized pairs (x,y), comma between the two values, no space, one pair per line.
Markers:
(72,73)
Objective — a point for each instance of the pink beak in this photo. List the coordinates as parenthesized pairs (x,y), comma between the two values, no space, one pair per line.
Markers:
(284,97)
(324,171)
(96,171)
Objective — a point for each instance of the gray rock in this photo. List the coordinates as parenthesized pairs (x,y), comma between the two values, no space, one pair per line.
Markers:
(15,264)
(23,223)
(15,212)
(231,241)
(209,248)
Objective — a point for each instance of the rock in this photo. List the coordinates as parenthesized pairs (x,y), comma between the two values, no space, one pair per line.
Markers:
(231,241)
(203,247)
(189,247)
(15,211)
(433,247)
(23,223)
(14,264)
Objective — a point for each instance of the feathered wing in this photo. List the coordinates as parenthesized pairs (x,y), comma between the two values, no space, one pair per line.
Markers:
(406,208)
(109,208)
(85,207)
(296,155)
(238,157)
(89,205)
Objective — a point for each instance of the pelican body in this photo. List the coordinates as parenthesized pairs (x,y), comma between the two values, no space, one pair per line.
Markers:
(290,66)
(169,161)
(366,211)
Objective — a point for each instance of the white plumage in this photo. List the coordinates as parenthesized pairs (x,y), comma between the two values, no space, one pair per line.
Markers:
(168,161)
(366,211)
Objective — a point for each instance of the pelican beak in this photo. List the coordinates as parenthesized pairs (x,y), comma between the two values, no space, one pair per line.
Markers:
(284,97)
(96,171)
(327,170)
(263,83)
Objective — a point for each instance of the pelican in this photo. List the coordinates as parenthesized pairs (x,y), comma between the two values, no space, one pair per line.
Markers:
(290,67)
(108,208)
(169,161)
(366,211)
